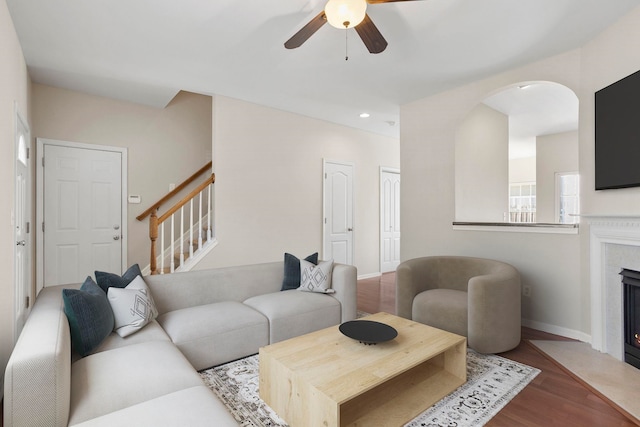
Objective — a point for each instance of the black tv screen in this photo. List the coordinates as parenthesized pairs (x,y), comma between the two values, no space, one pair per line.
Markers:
(618,134)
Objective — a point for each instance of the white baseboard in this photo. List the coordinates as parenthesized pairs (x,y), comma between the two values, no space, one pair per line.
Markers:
(369,276)
(557,330)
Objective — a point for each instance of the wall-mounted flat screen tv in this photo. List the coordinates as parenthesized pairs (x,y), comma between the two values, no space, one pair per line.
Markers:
(618,134)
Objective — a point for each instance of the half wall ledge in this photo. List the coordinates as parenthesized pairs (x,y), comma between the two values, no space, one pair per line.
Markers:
(511,227)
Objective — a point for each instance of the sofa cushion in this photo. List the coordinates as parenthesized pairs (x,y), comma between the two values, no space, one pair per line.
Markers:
(152,332)
(216,333)
(443,309)
(132,306)
(193,407)
(292,313)
(292,270)
(116,379)
(197,287)
(106,280)
(90,316)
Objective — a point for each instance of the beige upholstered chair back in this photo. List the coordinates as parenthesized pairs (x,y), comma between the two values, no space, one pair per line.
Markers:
(493,290)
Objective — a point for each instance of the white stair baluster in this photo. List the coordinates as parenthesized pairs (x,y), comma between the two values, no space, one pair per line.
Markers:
(191,228)
(173,251)
(200,222)
(162,249)
(209,233)
(182,235)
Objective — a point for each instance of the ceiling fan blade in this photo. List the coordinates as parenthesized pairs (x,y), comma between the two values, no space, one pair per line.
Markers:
(370,35)
(306,31)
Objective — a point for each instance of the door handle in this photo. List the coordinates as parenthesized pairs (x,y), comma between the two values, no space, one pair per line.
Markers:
(349,229)
(116,237)
(21,243)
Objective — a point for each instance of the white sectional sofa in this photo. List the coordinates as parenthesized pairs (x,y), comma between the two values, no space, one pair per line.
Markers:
(150,378)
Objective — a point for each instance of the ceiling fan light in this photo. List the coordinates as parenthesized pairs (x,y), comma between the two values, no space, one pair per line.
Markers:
(345,13)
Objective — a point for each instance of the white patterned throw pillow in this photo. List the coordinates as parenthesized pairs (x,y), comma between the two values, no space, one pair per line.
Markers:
(133,307)
(316,278)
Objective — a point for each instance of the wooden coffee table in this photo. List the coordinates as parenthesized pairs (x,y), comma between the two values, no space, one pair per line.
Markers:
(327,379)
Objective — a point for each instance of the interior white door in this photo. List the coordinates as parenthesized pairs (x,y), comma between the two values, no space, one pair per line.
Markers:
(338,212)
(389,220)
(82,213)
(22,212)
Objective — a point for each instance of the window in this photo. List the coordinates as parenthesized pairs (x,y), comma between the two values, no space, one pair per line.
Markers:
(22,150)
(522,202)
(568,197)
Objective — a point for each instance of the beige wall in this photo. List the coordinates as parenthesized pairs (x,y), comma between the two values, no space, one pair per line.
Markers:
(268,191)
(14,90)
(482,145)
(548,263)
(164,145)
(555,153)
(522,169)
(606,59)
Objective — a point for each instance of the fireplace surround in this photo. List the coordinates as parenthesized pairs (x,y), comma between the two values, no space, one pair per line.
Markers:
(614,244)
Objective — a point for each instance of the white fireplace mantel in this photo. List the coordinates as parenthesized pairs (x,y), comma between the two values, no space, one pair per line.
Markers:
(607,229)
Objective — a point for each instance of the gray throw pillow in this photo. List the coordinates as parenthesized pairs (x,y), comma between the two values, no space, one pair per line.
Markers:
(292,270)
(107,280)
(89,314)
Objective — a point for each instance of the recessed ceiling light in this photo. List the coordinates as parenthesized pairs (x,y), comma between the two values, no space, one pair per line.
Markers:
(364,115)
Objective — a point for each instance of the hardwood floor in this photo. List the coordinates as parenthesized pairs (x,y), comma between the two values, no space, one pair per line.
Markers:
(553,398)
(377,294)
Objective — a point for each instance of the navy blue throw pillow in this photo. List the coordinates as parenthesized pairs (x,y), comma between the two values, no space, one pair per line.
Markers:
(89,314)
(107,280)
(292,270)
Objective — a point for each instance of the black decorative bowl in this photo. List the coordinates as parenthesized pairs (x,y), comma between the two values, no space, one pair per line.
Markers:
(368,332)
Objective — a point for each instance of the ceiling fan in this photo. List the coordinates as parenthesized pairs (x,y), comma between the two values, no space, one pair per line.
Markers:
(345,14)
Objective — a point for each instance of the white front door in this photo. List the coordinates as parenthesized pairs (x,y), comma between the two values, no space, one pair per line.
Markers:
(82,214)
(22,228)
(338,212)
(389,220)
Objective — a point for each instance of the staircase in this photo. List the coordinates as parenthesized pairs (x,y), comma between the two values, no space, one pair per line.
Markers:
(184,231)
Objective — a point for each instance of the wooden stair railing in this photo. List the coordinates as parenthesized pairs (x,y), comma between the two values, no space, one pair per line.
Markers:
(175,191)
(156,223)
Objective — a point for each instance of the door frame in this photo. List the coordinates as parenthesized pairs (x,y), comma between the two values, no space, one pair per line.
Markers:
(41,142)
(324,206)
(383,170)
(20,122)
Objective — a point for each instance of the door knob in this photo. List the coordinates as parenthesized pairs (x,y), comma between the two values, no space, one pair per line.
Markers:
(116,227)
(21,243)
(116,237)
(349,229)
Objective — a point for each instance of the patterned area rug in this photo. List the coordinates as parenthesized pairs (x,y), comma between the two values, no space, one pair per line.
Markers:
(492,381)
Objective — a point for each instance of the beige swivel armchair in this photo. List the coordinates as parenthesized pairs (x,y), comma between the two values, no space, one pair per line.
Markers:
(474,297)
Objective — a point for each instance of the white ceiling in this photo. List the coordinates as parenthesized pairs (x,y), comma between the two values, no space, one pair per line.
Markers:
(535,109)
(146,50)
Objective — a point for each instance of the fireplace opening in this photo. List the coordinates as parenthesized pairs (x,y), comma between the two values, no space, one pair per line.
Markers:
(631,301)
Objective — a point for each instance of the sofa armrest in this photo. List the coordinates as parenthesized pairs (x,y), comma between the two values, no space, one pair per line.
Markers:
(39,369)
(412,277)
(344,282)
(494,304)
